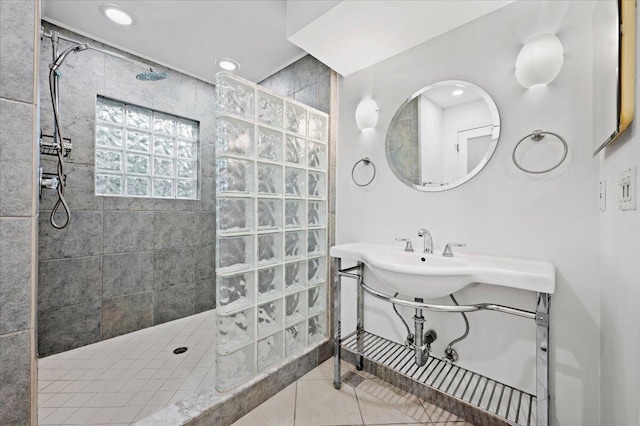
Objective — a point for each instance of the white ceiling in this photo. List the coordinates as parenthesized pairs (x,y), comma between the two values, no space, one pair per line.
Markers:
(189,35)
(442,96)
(356,34)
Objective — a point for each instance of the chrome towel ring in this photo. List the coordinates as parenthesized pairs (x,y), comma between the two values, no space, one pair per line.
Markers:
(365,161)
(537,136)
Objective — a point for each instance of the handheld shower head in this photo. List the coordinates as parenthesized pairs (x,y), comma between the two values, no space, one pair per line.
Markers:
(63,56)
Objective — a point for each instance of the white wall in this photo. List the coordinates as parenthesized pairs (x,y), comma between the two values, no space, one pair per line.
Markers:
(620,285)
(429,137)
(501,211)
(455,119)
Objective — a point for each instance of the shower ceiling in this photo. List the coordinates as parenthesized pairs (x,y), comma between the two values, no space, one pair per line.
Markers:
(189,35)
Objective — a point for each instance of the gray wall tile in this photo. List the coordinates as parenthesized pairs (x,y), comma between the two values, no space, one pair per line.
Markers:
(173,229)
(69,282)
(128,203)
(207,194)
(16,153)
(176,95)
(17,27)
(205,295)
(125,314)
(308,95)
(128,223)
(18,41)
(83,236)
(306,72)
(173,267)
(128,231)
(207,155)
(68,328)
(204,228)
(15,378)
(80,130)
(205,262)
(174,205)
(172,303)
(79,193)
(127,273)
(281,82)
(15,274)
(324,92)
(120,77)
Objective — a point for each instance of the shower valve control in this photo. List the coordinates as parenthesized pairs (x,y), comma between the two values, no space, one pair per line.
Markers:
(48,181)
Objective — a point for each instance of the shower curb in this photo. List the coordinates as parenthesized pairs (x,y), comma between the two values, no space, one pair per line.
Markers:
(228,410)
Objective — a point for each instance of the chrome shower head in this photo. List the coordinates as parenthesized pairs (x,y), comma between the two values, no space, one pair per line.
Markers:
(61,57)
(152,75)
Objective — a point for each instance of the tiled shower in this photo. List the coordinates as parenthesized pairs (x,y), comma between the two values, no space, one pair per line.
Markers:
(130,261)
(125,263)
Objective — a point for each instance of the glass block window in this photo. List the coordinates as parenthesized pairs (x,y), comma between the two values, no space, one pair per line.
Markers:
(140,152)
(271,239)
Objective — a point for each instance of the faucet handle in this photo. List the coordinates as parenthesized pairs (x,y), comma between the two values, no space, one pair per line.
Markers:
(409,246)
(447,249)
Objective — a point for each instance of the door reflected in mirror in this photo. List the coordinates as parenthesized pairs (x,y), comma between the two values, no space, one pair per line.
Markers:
(443,135)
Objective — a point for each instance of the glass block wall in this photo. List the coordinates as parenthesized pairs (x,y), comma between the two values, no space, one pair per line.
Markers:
(144,153)
(271,205)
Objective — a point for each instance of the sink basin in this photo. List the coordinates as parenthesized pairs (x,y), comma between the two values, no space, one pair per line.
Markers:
(431,276)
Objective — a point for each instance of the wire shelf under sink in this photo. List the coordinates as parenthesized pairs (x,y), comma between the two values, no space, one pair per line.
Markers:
(512,405)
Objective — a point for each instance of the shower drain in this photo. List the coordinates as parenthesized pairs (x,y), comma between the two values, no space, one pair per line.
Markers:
(179,351)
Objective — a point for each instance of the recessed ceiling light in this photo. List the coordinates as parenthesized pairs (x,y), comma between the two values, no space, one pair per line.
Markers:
(457,92)
(227,64)
(115,14)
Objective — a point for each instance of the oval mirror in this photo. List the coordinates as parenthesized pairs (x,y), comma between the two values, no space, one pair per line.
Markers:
(443,135)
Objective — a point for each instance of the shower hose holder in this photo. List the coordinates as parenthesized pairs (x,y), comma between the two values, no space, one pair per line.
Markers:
(48,146)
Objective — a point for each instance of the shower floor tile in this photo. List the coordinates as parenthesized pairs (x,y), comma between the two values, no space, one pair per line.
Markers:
(129,377)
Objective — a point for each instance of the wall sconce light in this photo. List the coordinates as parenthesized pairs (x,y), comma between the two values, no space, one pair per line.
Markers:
(367,114)
(539,61)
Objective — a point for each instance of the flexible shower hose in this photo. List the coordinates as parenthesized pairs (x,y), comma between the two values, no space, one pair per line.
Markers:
(60,153)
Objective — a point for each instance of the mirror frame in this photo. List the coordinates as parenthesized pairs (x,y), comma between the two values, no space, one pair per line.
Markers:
(492,147)
(626,70)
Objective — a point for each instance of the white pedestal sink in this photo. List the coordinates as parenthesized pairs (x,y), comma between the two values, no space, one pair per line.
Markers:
(431,276)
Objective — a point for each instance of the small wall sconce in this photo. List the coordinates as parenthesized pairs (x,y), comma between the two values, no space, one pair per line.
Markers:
(367,114)
(539,61)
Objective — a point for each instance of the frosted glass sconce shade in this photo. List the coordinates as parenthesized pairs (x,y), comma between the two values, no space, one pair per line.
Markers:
(367,114)
(539,61)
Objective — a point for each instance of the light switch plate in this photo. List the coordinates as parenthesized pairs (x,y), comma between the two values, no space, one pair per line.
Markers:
(602,197)
(628,189)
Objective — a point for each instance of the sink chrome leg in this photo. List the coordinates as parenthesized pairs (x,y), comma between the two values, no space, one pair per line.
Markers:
(542,359)
(337,323)
(360,318)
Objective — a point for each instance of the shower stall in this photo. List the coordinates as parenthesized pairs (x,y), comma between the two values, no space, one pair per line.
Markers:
(149,292)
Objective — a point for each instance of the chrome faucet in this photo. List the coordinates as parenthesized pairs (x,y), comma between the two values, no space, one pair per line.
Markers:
(447,249)
(428,241)
(409,246)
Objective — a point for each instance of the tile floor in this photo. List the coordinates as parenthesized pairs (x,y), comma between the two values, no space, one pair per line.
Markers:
(129,377)
(312,401)
(125,379)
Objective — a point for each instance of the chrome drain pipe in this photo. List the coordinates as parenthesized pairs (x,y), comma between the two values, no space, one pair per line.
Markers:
(421,349)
